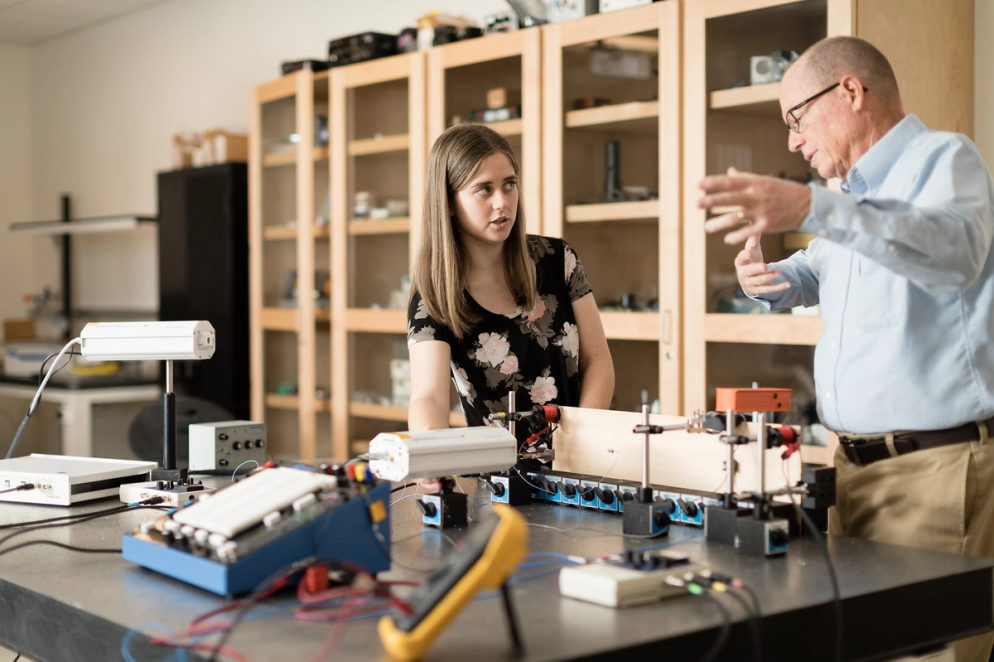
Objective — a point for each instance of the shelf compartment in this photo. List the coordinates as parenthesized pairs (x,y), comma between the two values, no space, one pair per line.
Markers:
(632,117)
(399,414)
(278,319)
(322,315)
(627,325)
(379,145)
(376,321)
(506,127)
(751,99)
(380,226)
(612,211)
(762,329)
(289,157)
(279,232)
(292,402)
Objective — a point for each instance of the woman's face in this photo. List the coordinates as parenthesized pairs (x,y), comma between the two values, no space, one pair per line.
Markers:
(486,208)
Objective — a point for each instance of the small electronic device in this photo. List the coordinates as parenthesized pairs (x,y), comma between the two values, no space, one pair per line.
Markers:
(139,341)
(222,447)
(485,560)
(398,455)
(231,541)
(617,5)
(175,496)
(770,68)
(292,66)
(62,480)
(361,47)
(636,580)
(567,10)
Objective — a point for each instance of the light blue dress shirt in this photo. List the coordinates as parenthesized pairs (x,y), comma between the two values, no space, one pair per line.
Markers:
(904,272)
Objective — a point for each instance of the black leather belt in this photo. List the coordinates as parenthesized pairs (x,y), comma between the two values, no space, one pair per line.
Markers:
(867,451)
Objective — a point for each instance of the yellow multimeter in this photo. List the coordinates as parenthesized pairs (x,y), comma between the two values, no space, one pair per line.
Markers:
(492,550)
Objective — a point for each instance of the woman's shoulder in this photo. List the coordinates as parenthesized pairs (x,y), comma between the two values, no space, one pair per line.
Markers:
(542,248)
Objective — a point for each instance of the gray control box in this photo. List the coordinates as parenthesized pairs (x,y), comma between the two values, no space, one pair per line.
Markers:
(221,447)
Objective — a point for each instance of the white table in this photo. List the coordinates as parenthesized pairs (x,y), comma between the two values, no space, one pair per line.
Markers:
(76,407)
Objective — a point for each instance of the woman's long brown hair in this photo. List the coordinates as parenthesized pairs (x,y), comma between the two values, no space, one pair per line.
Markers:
(440,270)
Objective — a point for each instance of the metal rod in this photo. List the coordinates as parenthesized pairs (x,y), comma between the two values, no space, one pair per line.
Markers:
(730,461)
(66,268)
(169,421)
(645,449)
(512,426)
(760,418)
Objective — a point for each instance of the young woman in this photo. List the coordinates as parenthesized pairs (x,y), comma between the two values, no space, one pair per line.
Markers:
(498,309)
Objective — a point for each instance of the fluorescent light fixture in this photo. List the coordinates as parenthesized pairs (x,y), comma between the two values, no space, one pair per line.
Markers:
(82,225)
(458,451)
(139,341)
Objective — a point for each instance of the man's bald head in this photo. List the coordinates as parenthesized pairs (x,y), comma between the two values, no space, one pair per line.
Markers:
(831,59)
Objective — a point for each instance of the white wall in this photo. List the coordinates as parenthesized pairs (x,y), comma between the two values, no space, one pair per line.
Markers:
(16,275)
(107,100)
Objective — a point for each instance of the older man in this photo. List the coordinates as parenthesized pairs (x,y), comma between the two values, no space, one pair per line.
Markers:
(903,269)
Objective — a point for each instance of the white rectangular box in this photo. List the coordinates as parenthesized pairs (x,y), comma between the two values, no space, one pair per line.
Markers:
(62,480)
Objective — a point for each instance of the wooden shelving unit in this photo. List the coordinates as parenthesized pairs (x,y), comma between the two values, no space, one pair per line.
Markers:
(725,125)
(459,76)
(628,247)
(285,186)
(378,126)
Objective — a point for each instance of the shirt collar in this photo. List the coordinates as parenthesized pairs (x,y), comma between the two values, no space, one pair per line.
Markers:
(869,173)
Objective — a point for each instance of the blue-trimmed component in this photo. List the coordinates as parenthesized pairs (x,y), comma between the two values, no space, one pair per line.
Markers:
(566,499)
(691,509)
(436,500)
(626,489)
(607,498)
(588,497)
(342,534)
(677,514)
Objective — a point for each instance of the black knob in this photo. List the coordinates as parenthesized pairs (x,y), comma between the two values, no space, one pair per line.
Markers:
(236,445)
(627,496)
(669,505)
(259,443)
(606,495)
(551,486)
(427,509)
(778,537)
(661,520)
(498,489)
(222,437)
(587,494)
(223,462)
(689,507)
(569,489)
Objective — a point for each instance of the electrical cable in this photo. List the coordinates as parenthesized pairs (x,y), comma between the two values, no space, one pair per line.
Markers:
(71,548)
(836,593)
(726,627)
(235,472)
(20,488)
(754,625)
(34,401)
(402,487)
(109,511)
(85,518)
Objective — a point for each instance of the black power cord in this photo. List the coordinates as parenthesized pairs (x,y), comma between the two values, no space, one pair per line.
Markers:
(84,518)
(72,548)
(836,593)
(34,402)
(726,627)
(20,488)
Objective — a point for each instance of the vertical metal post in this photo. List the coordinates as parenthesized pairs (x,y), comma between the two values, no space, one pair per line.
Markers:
(645,448)
(512,425)
(730,461)
(760,418)
(66,268)
(169,421)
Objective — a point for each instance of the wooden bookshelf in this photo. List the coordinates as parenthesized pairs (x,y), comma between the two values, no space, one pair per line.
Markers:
(380,145)
(285,232)
(376,321)
(631,325)
(632,117)
(613,211)
(380,226)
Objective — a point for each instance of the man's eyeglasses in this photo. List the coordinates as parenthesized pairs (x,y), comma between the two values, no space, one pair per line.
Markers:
(794,122)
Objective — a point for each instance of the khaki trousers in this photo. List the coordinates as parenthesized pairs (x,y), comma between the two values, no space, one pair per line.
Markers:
(941,498)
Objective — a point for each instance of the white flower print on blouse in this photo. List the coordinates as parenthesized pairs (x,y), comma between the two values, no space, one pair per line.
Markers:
(510,365)
(543,389)
(493,348)
(463,386)
(538,321)
(570,259)
(570,342)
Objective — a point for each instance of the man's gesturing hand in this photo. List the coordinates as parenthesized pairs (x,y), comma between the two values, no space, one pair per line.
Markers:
(752,273)
(767,204)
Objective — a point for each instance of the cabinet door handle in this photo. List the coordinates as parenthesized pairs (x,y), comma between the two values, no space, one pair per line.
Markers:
(667,327)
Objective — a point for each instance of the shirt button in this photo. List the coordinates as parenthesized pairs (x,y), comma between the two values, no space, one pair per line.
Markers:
(822,233)
(830,219)
(828,394)
(834,345)
(874,190)
(891,248)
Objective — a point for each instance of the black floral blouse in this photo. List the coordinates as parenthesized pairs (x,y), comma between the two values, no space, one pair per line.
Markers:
(536,353)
